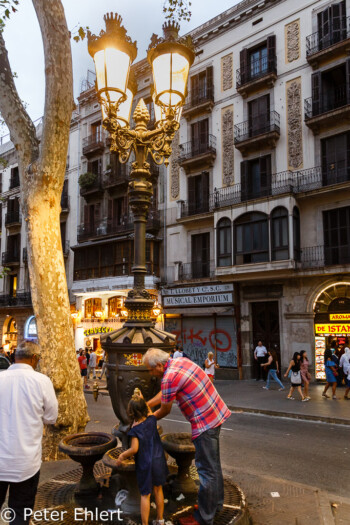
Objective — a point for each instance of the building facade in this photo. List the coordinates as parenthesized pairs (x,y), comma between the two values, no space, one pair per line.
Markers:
(259,192)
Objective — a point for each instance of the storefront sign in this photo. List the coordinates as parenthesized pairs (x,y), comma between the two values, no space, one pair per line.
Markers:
(332,328)
(199,300)
(339,317)
(97,330)
(193,290)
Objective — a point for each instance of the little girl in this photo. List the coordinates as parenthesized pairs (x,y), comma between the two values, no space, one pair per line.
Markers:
(151,467)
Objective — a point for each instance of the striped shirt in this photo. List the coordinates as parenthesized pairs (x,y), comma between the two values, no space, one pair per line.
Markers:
(196,395)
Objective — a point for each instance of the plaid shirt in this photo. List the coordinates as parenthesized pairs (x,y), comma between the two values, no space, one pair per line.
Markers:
(196,395)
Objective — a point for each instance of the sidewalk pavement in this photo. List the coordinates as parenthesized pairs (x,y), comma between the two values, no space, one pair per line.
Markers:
(249,396)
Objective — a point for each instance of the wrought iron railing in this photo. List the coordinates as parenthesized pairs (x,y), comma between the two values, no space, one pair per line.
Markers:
(115,176)
(96,185)
(316,42)
(11,256)
(332,99)
(20,299)
(108,226)
(320,256)
(96,140)
(12,217)
(193,148)
(122,268)
(196,97)
(196,270)
(257,125)
(256,69)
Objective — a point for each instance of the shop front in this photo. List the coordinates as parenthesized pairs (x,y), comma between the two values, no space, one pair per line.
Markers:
(332,323)
(203,319)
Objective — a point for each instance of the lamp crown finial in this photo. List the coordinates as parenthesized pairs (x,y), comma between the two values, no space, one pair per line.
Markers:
(171,30)
(113,21)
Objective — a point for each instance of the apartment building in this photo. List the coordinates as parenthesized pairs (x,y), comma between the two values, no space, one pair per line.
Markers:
(258,205)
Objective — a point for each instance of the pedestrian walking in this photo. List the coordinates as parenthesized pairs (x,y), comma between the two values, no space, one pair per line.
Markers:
(150,463)
(305,374)
(272,366)
(198,400)
(103,365)
(260,354)
(83,367)
(331,374)
(295,378)
(345,363)
(92,365)
(27,403)
(210,366)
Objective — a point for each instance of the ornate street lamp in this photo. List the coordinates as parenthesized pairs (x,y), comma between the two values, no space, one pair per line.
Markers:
(170,58)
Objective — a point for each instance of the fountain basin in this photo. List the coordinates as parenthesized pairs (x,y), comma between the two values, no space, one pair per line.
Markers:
(181,448)
(87,448)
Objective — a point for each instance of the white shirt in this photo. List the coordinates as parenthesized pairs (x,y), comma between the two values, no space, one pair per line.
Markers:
(177,354)
(211,369)
(93,360)
(27,402)
(260,351)
(344,360)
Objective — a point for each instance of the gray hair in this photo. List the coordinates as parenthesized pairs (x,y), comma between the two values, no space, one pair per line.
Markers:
(27,349)
(153,356)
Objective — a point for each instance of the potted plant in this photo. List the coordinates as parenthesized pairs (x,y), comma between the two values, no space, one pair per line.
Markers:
(87,179)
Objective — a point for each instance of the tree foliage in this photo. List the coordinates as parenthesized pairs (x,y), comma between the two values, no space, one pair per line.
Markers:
(177,10)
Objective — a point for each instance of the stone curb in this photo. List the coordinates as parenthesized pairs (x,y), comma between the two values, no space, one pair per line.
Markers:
(305,417)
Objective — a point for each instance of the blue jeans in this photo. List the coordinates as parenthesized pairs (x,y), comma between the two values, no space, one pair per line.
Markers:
(211,489)
(273,375)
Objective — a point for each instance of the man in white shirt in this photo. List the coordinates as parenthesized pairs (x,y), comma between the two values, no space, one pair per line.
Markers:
(92,365)
(260,354)
(27,402)
(178,352)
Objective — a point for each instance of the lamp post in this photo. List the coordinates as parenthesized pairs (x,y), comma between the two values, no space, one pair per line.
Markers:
(170,58)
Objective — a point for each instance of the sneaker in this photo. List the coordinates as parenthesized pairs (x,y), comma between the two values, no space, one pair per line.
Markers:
(305,399)
(158,522)
(280,389)
(188,520)
(290,397)
(334,397)
(265,387)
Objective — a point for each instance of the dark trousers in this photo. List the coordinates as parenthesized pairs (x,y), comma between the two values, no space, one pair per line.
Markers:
(21,496)
(261,372)
(211,489)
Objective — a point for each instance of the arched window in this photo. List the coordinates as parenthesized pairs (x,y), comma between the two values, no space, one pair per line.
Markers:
(224,246)
(251,238)
(92,306)
(279,234)
(296,233)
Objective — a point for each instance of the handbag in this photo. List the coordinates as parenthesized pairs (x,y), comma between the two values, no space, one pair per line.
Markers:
(296,378)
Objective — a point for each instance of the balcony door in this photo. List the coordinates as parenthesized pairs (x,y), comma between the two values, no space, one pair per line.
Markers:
(332,25)
(200,137)
(14,246)
(91,217)
(202,86)
(336,229)
(200,255)
(336,159)
(198,193)
(259,115)
(256,178)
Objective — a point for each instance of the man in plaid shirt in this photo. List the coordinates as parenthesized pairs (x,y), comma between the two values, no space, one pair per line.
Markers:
(187,383)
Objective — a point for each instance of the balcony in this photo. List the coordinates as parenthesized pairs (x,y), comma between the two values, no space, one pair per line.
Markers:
(331,46)
(11,258)
(198,102)
(317,178)
(94,144)
(194,155)
(20,299)
(313,257)
(94,189)
(14,181)
(13,218)
(280,183)
(191,271)
(332,109)
(256,75)
(118,269)
(115,178)
(261,132)
(107,227)
(64,204)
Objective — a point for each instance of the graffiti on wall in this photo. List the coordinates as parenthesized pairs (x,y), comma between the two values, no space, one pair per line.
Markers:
(198,337)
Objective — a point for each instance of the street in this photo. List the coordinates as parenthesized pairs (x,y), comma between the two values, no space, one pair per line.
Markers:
(266,454)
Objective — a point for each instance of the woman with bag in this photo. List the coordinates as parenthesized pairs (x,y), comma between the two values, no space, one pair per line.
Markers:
(331,373)
(305,374)
(295,378)
(272,367)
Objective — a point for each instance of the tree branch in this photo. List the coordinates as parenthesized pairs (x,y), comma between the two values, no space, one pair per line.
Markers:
(20,125)
(59,85)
